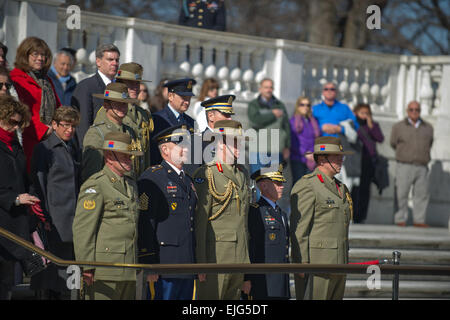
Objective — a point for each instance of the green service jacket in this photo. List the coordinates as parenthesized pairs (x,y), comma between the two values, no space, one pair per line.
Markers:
(221,225)
(319,221)
(105,224)
(260,116)
(92,159)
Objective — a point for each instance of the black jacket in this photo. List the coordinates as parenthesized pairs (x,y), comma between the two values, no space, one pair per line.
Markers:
(88,106)
(13,181)
(166,222)
(269,243)
(208,14)
(55,171)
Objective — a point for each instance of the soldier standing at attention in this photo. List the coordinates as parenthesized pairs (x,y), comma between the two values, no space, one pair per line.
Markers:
(109,118)
(166,224)
(105,223)
(137,117)
(269,235)
(216,109)
(207,14)
(321,213)
(221,216)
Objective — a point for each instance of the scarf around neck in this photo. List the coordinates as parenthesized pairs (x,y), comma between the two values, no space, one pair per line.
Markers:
(48,99)
(7,137)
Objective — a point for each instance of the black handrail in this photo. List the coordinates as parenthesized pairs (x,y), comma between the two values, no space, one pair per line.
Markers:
(196,268)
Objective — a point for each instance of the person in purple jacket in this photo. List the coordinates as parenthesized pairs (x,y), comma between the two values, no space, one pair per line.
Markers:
(369,133)
(304,129)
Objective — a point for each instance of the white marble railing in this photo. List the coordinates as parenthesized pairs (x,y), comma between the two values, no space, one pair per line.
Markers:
(239,62)
(388,82)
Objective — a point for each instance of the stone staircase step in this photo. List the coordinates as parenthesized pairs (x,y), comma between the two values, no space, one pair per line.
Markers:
(396,238)
(408,256)
(407,289)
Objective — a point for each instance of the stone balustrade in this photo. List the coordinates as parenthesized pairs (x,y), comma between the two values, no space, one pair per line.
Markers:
(386,81)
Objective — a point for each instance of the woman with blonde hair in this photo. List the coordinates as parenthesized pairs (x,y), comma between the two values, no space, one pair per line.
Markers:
(36,90)
(304,129)
(209,90)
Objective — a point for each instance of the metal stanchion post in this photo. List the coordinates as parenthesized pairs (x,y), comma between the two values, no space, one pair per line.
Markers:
(395,282)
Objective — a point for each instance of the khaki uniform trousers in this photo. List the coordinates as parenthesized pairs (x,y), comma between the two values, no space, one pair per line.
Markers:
(325,287)
(111,290)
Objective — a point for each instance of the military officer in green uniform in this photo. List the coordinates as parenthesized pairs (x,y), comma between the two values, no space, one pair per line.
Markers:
(321,211)
(137,117)
(221,216)
(106,219)
(109,118)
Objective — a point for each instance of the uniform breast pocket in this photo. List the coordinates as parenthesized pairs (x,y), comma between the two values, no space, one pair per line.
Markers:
(273,235)
(327,212)
(118,211)
(176,204)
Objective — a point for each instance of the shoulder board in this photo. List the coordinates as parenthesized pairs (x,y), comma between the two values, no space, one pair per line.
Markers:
(157,167)
(254,205)
(309,176)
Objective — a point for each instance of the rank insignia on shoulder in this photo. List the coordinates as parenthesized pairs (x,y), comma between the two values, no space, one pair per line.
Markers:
(254,205)
(199,180)
(89,204)
(156,168)
(90,190)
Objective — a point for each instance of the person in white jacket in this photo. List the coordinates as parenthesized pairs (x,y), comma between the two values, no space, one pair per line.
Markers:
(209,90)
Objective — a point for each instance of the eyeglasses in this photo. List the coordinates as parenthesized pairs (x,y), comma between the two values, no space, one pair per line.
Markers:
(6,84)
(37,54)
(14,123)
(414,110)
(304,105)
(67,125)
(329,89)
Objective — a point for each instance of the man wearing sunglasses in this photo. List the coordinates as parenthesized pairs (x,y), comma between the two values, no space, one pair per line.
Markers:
(412,139)
(330,112)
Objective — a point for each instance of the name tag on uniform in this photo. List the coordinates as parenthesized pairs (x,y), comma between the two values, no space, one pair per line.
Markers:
(119,203)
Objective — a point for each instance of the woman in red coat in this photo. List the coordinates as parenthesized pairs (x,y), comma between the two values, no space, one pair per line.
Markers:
(35,89)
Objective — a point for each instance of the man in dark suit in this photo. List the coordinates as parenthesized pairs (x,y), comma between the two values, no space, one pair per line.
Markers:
(179,94)
(269,236)
(107,60)
(166,223)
